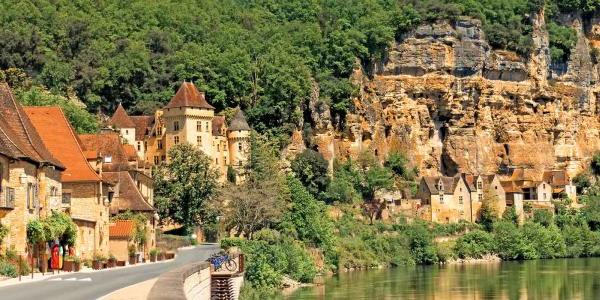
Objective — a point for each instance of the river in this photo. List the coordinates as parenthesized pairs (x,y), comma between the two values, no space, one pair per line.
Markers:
(538,279)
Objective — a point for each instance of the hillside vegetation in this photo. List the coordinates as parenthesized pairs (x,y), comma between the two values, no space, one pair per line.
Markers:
(267,56)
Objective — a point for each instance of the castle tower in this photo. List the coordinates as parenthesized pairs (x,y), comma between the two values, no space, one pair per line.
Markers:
(188,119)
(123,122)
(238,137)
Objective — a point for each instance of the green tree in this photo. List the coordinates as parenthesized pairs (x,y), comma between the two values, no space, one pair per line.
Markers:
(510,214)
(543,217)
(488,214)
(398,163)
(474,244)
(184,185)
(372,178)
(312,170)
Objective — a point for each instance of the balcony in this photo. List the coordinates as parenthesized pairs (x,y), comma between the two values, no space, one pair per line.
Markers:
(7,198)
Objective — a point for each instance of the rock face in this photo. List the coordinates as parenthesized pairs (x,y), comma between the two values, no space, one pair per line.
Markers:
(453,104)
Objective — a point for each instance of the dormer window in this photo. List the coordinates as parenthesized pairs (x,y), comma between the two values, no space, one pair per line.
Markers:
(176,126)
(479,185)
(440,186)
(108,159)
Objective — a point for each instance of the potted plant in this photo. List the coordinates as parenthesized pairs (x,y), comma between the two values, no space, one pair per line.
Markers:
(69,264)
(169,255)
(153,254)
(112,261)
(121,263)
(76,263)
(131,252)
(161,255)
(98,261)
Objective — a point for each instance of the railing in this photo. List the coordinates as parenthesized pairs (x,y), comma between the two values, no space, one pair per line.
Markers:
(7,198)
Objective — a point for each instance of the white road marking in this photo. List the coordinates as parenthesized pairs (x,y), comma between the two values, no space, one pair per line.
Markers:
(71,279)
(86,279)
(55,279)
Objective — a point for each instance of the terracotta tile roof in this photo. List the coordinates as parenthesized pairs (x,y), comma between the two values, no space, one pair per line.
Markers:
(217,125)
(60,138)
(107,144)
(557,178)
(189,96)
(130,152)
(18,137)
(120,118)
(511,187)
(90,154)
(143,125)
(239,123)
(121,229)
(128,197)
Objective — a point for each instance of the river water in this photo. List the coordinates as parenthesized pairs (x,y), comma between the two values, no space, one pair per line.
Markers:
(539,279)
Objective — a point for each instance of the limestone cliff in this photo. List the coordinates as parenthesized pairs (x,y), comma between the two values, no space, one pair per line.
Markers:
(453,104)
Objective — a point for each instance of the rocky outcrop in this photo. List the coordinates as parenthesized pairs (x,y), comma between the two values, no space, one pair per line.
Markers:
(453,104)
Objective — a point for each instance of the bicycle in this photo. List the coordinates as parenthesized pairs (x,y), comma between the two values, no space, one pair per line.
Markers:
(219,260)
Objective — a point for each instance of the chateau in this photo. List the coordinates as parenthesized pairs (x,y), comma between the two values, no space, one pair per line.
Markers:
(187,118)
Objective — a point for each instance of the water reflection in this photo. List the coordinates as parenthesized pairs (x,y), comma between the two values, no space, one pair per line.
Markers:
(541,279)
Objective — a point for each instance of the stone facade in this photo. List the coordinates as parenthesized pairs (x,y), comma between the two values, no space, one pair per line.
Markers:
(188,118)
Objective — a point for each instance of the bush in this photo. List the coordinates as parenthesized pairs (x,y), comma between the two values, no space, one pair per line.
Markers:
(510,242)
(546,241)
(510,215)
(474,244)
(7,269)
(543,217)
(421,245)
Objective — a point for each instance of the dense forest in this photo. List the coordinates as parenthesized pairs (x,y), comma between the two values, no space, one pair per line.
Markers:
(264,55)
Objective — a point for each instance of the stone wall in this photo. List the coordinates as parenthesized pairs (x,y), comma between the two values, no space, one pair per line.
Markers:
(188,282)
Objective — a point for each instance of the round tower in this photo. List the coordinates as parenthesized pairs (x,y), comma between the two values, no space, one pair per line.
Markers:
(238,138)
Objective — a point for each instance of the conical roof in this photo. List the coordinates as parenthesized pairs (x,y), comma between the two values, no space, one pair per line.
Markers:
(189,96)
(239,123)
(121,119)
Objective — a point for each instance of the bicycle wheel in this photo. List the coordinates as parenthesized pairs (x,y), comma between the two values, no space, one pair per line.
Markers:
(231,265)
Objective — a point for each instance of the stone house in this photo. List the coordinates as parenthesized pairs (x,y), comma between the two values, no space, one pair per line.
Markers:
(84,194)
(187,118)
(561,184)
(29,174)
(514,197)
(482,186)
(121,235)
(447,198)
(532,183)
(133,187)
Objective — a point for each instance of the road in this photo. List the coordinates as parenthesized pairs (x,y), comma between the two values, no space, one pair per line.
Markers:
(83,286)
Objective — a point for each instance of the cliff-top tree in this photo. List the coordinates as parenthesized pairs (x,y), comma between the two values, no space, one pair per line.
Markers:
(184,185)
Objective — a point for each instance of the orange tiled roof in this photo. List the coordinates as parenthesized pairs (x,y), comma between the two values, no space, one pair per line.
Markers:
(189,96)
(107,144)
(130,152)
(121,119)
(143,125)
(121,229)
(90,154)
(59,137)
(18,137)
(128,197)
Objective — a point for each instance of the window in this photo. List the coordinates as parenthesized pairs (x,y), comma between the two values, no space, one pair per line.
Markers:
(163,158)
(199,140)
(442,199)
(139,146)
(218,147)
(53,191)
(30,196)
(176,126)
(1,176)
(175,140)
(207,126)
(480,197)
(460,199)
(156,161)
(216,161)
(126,132)
(240,146)
(66,198)
(108,159)
(159,131)
(159,145)
(199,126)
(545,197)
(479,185)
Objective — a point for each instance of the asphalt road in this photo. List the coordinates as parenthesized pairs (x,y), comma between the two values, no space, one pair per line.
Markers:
(83,286)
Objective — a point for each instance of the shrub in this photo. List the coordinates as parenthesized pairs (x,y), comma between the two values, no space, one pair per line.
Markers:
(510,242)
(421,245)
(543,217)
(546,241)
(474,244)
(510,214)
(7,269)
